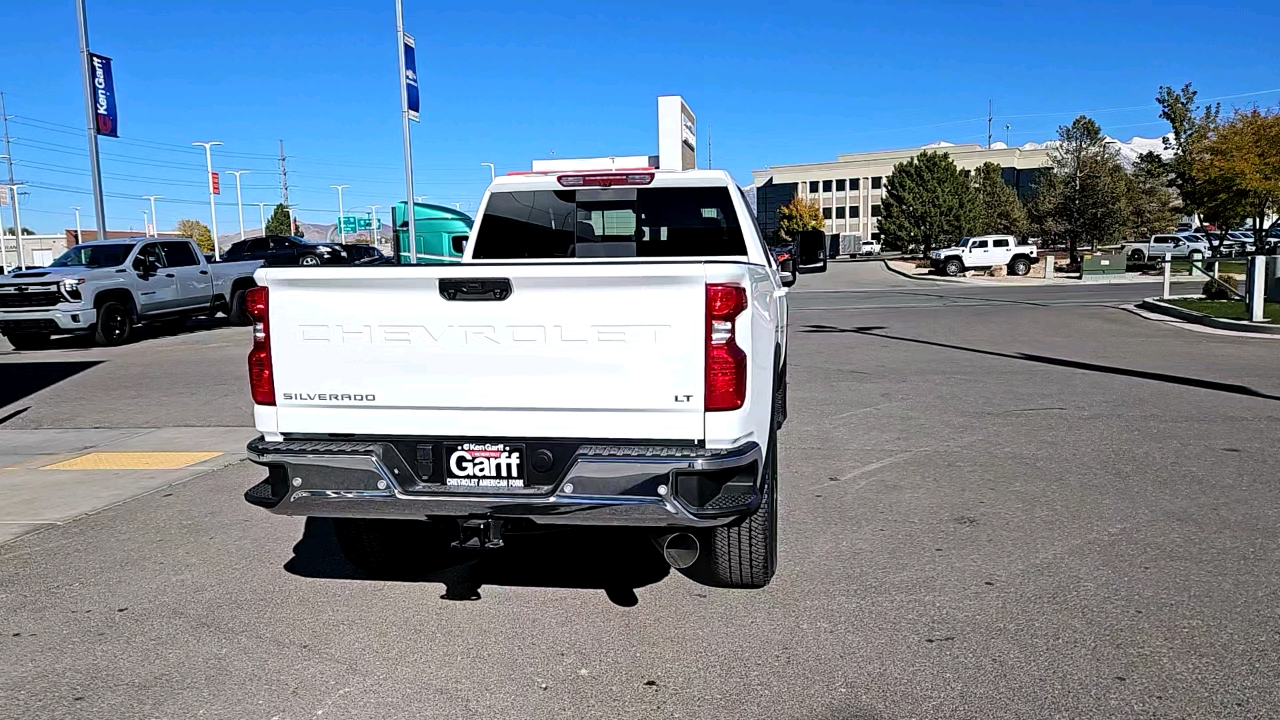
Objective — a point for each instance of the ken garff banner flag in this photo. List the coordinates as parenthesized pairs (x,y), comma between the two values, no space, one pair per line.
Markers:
(410,78)
(104,95)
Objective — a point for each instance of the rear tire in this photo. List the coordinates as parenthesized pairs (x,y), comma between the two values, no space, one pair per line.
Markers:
(309,260)
(114,326)
(1019,267)
(744,555)
(1137,256)
(238,314)
(28,341)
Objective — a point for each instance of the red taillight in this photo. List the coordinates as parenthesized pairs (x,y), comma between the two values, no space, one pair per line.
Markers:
(262,384)
(609,180)
(726,384)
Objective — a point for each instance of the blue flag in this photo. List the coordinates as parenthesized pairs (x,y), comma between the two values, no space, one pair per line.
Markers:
(104,95)
(410,78)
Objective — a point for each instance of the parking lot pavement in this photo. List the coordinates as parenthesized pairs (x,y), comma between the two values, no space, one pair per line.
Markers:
(1001,507)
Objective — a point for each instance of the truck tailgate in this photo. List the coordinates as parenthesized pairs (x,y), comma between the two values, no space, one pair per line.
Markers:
(604,350)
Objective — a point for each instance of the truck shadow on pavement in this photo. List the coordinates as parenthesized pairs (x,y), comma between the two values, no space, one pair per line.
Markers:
(615,561)
(1233,388)
(23,379)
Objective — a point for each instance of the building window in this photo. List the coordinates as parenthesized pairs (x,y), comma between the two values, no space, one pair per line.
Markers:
(875,210)
(854,184)
(875,236)
(839,212)
(855,211)
(826,213)
(875,182)
(840,185)
(826,186)
(813,186)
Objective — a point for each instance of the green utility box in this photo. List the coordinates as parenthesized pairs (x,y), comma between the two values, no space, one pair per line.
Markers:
(1094,265)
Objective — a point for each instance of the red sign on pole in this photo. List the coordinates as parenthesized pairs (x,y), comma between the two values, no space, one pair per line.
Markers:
(214,186)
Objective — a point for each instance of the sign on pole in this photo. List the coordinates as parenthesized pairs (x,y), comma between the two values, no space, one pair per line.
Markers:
(104,95)
(214,185)
(411,98)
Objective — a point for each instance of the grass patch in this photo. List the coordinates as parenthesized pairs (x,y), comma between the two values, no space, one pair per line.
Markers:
(1227,309)
(1182,267)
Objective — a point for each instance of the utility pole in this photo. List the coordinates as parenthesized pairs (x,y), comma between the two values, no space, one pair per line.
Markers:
(95,171)
(988,124)
(284,182)
(17,227)
(8,158)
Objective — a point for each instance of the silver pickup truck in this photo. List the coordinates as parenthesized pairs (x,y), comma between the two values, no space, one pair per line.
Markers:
(107,287)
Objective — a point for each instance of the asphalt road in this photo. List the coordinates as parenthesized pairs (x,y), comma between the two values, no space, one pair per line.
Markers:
(995,502)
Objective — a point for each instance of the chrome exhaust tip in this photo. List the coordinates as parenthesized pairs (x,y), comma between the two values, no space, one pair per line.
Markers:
(680,550)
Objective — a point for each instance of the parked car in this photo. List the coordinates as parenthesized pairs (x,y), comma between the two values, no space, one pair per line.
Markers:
(362,253)
(1184,246)
(287,250)
(106,287)
(869,248)
(985,251)
(570,390)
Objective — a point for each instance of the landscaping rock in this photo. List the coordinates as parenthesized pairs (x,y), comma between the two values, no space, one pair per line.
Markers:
(997,271)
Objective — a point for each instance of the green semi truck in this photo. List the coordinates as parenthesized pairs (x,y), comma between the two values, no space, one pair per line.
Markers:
(440,233)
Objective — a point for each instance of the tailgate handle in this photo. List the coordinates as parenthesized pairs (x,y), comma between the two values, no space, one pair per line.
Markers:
(475,289)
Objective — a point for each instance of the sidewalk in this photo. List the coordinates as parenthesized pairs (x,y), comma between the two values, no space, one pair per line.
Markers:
(909,270)
(51,476)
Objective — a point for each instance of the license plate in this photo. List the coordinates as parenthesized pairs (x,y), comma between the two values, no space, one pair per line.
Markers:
(484,465)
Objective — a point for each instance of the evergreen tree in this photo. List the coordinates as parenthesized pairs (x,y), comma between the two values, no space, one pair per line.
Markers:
(197,231)
(278,223)
(927,203)
(1090,192)
(999,210)
(1151,203)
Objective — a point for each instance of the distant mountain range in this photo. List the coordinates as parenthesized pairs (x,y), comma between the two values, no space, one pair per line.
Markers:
(1129,150)
(312,231)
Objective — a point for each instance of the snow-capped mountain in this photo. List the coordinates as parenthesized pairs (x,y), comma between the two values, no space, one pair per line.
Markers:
(1129,150)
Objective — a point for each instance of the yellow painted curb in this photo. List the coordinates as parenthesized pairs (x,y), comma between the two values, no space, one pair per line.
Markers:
(132,461)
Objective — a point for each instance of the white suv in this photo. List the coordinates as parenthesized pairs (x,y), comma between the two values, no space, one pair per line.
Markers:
(984,251)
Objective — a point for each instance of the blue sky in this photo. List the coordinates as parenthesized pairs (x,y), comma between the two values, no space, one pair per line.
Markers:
(507,82)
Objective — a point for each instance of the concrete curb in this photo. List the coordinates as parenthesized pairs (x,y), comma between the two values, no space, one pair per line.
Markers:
(1191,316)
(931,278)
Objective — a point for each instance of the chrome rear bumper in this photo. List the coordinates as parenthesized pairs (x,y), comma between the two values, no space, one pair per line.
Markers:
(624,485)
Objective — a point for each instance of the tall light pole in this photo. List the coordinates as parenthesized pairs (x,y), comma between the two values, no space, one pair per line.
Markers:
(8,161)
(154,222)
(373,227)
(239,206)
(262,216)
(95,172)
(492,173)
(457,206)
(1006,134)
(420,198)
(17,225)
(408,149)
(292,222)
(342,235)
(78,238)
(146,225)
(213,209)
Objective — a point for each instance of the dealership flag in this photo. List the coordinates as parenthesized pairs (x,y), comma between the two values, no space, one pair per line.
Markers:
(104,95)
(410,78)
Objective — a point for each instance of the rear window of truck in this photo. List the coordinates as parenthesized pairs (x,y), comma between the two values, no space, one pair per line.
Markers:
(609,223)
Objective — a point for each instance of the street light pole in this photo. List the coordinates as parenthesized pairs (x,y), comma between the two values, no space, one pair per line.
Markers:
(95,172)
(492,173)
(213,209)
(78,238)
(342,234)
(239,205)
(373,227)
(146,225)
(408,149)
(17,227)
(154,222)
(262,217)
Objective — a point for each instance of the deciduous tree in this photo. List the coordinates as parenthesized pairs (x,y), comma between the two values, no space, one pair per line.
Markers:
(1242,162)
(197,231)
(797,216)
(927,203)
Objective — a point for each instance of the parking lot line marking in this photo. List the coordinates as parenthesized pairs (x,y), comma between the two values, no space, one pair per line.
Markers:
(132,461)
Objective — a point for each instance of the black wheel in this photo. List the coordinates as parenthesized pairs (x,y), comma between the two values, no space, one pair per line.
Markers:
(28,341)
(238,314)
(1020,266)
(953,267)
(379,548)
(1137,256)
(744,555)
(115,324)
(309,260)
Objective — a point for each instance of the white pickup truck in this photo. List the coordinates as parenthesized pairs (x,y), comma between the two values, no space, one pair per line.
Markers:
(1188,246)
(984,251)
(611,350)
(106,287)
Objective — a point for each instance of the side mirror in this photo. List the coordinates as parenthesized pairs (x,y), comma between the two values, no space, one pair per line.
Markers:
(459,244)
(787,270)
